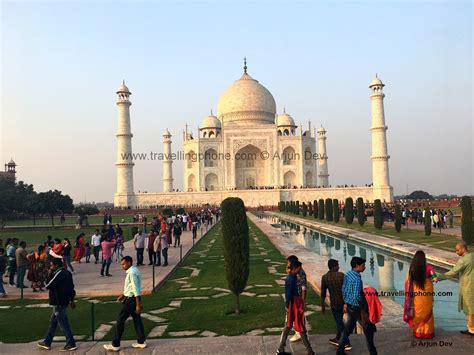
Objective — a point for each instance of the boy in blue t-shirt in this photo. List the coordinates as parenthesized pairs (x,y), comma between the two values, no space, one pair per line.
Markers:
(294,306)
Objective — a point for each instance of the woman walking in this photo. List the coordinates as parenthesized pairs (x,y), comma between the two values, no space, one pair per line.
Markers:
(37,270)
(79,248)
(67,247)
(418,307)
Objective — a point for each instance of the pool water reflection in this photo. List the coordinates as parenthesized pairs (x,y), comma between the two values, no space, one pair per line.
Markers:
(385,270)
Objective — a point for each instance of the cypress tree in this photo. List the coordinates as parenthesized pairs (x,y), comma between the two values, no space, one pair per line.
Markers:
(398,218)
(310,209)
(297,207)
(293,209)
(287,206)
(305,209)
(378,217)
(315,209)
(328,207)
(321,209)
(467,230)
(336,212)
(349,210)
(360,211)
(427,222)
(235,236)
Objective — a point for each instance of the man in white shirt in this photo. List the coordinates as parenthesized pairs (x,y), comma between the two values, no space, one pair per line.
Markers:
(95,243)
(139,243)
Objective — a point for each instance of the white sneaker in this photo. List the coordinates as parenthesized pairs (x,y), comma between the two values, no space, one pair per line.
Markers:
(110,347)
(296,337)
(139,346)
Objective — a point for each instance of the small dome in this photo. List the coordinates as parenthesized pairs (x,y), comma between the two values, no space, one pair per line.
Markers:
(285,120)
(123,88)
(166,133)
(247,100)
(11,162)
(321,129)
(210,121)
(375,82)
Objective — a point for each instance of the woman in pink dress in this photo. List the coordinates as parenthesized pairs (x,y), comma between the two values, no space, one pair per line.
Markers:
(79,247)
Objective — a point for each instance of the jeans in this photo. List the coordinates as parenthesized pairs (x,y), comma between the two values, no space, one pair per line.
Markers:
(106,266)
(128,309)
(20,277)
(165,256)
(140,256)
(158,257)
(96,251)
(338,317)
(67,262)
(152,256)
(11,274)
(284,335)
(177,239)
(353,315)
(59,316)
(2,289)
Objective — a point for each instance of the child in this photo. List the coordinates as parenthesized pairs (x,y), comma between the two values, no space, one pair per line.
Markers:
(87,250)
(119,248)
(294,310)
(3,266)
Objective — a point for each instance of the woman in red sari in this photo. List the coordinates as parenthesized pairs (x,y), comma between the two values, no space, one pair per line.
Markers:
(79,247)
(418,308)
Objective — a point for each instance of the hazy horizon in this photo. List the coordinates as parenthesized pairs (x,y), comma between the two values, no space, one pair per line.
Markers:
(63,61)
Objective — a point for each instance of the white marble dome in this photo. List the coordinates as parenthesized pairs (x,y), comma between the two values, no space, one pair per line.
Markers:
(375,82)
(210,121)
(247,100)
(123,88)
(285,120)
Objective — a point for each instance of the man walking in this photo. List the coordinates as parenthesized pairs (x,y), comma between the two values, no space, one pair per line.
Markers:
(332,281)
(131,306)
(352,295)
(21,264)
(139,243)
(11,255)
(107,251)
(61,294)
(177,231)
(465,268)
(164,248)
(150,248)
(95,242)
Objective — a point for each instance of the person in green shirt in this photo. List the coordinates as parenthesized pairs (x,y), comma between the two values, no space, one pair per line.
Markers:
(465,268)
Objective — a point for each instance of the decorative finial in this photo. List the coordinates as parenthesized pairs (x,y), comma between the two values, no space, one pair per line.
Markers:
(123,81)
(376,75)
(284,110)
(245,65)
(211,112)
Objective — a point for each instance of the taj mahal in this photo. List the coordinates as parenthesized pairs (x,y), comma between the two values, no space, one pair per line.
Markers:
(250,151)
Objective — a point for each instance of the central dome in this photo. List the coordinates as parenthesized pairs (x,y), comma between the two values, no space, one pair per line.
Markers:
(246,100)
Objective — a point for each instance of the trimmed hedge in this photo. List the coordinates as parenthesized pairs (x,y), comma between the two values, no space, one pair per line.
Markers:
(360,211)
(235,233)
(304,209)
(427,221)
(335,208)
(329,210)
(349,210)
(321,209)
(467,230)
(315,209)
(398,218)
(378,216)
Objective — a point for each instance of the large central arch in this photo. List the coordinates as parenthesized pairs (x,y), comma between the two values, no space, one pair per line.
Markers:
(250,168)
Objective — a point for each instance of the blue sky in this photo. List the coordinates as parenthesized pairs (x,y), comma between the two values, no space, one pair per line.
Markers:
(62,62)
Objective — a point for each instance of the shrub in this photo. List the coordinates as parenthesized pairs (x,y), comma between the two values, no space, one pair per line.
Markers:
(467,230)
(297,211)
(180,210)
(287,206)
(315,209)
(378,217)
(398,218)
(305,209)
(310,209)
(349,210)
(360,211)
(321,209)
(235,234)
(335,208)
(167,212)
(328,205)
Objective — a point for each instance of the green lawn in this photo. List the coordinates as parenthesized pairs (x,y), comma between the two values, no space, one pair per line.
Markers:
(35,237)
(211,314)
(435,240)
(97,219)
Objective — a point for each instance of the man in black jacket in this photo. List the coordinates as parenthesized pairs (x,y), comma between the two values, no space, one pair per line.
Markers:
(61,294)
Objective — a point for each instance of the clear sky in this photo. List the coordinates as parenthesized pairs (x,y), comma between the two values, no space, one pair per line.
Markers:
(61,63)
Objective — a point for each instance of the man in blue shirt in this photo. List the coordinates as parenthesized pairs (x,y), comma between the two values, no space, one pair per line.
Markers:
(354,301)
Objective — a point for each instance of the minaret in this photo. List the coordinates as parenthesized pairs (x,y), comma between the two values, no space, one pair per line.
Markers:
(323,176)
(167,163)
(124,194)
(380,173)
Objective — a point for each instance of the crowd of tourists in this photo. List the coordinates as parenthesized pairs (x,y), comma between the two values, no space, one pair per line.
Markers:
(348,297)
